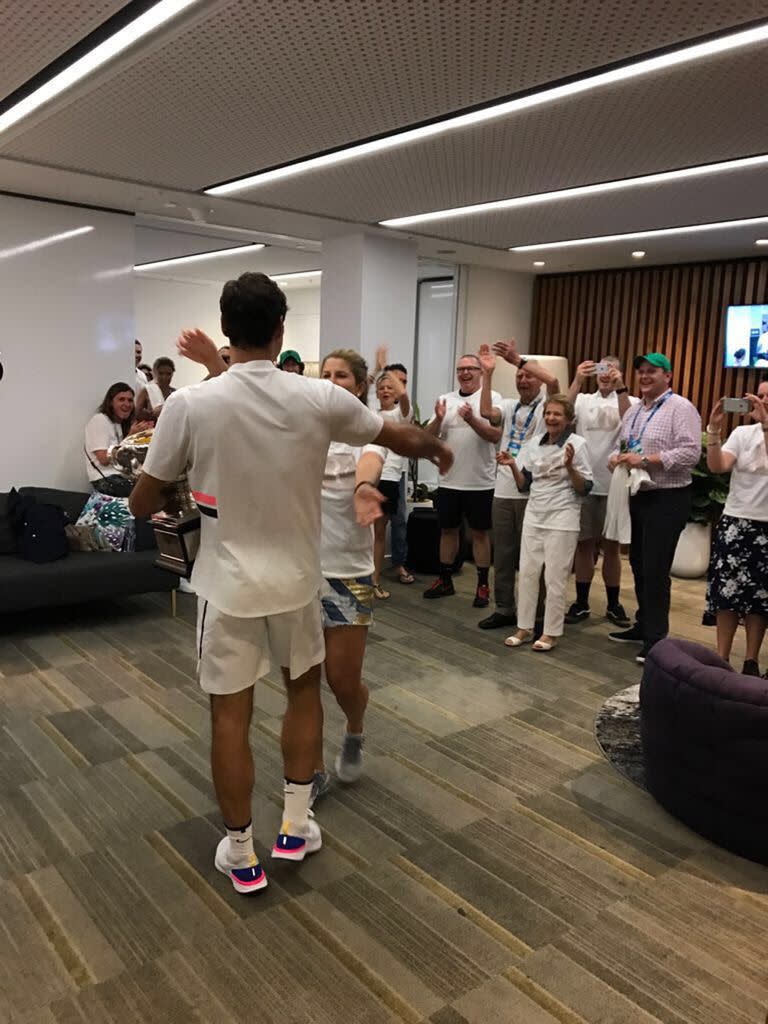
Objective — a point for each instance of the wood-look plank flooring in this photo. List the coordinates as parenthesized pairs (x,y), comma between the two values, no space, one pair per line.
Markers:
(489,867)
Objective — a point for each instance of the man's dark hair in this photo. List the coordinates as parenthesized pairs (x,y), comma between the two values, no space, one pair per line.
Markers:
(164,361)
(251,310)
(396,366)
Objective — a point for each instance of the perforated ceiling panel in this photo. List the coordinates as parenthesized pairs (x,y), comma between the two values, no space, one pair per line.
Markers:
(35,32)
(260,83)
(699,114)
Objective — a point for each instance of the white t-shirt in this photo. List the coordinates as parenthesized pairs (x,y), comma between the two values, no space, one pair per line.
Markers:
(520,423)
(254,442)
(346,548)
(100,433)
(748,493)
(599,423)
(155,396)
(141,382)
(553,503)
(474,460)
(394,465)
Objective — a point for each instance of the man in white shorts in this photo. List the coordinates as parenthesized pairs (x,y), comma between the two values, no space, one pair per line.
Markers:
(598,421)
(253,443)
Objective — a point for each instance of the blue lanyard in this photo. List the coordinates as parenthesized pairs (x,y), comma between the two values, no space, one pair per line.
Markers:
(524,431)
(634,441)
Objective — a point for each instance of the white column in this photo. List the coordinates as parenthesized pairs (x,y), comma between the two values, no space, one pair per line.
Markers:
(368,296)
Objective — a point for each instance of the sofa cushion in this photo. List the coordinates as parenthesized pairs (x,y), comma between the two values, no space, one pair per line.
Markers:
(71,501)
(7,538)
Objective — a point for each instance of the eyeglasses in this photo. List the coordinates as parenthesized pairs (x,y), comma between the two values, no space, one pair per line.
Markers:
(467,369)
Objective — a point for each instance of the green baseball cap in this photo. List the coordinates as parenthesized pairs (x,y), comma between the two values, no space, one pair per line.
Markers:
(290,353)
(655,359)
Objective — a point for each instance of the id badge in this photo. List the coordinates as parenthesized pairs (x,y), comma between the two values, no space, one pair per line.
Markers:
(514,447)
(634,446)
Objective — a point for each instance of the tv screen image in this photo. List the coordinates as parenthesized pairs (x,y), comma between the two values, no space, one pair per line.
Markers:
(746,336)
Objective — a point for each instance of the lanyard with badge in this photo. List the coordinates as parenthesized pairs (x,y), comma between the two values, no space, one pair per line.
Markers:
(633,443)
(518,435)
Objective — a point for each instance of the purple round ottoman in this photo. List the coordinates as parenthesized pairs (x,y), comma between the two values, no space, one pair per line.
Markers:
(704,731)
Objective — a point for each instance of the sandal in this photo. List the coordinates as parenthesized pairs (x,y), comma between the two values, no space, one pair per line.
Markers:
(380,592)
(543,645)
(405,577)
(517,641)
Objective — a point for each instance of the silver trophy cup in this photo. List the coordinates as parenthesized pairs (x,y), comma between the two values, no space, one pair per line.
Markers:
(177,527)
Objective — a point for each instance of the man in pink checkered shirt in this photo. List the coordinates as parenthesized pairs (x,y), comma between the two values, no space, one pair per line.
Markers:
(662,436)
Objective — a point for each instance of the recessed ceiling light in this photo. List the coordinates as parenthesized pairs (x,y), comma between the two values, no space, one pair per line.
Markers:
(107,50)
(539,263)
(579,191)
(198,256)
(657,233)
(762,241)
(638,254)
(644,66)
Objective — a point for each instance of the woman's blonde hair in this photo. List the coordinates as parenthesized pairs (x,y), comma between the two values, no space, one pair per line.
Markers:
(565,404)
(357,365)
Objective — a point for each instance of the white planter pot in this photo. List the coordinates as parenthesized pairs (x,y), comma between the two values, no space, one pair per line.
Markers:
(692,554)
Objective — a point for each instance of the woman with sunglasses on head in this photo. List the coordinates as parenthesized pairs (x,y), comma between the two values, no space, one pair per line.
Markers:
(556,470)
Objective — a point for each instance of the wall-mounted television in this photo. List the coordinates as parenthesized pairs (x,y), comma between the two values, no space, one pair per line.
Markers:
(746,336)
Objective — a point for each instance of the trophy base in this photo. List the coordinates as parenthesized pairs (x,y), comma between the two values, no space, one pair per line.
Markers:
(178,540)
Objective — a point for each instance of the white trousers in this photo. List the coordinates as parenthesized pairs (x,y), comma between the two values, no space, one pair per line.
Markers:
(552,550)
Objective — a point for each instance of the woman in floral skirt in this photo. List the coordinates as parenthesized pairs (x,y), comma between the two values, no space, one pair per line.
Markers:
(737,587)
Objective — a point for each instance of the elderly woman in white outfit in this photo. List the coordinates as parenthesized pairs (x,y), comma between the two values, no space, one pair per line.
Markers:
(555,468)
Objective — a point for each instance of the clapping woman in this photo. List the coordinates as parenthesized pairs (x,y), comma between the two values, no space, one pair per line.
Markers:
(555,468)
(737,587)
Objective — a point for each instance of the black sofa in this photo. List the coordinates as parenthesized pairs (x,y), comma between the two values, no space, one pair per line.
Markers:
(82,575)
(704,730)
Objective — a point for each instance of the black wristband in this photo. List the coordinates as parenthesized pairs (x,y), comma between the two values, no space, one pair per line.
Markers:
(621,391)
(364,483)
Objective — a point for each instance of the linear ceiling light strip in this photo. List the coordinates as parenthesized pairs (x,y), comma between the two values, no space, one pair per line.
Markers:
(176,261)
(656,233)
(636,69)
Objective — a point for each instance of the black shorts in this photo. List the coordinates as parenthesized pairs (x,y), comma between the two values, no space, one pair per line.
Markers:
(453,507)
(391,491)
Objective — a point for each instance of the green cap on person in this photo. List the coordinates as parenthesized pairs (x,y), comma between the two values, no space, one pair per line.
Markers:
(290,353)
(655,359)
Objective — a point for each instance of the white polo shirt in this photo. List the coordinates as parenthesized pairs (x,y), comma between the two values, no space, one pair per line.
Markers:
(474,460)
(521,422)
(748,491)
(394,465)
(346,548)
(554,504)
(599,423)
(254,443)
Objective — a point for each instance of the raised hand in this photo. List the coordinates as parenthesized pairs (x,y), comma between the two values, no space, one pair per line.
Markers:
(505,459)
(382,357)
(507,350)
(568,456)
(465,411)
(195,344)
(616,378)
(486,358)
(368,501)
(716,418)
(586,369)
(440,410)
(398,388)
(759,412)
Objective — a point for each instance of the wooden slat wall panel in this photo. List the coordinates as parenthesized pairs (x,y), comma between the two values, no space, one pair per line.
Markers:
(678,310)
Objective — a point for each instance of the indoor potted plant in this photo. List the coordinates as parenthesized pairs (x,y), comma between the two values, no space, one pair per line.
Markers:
(710,491)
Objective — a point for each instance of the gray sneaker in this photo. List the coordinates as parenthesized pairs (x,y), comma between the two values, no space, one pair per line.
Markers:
(321,783)
(349,763)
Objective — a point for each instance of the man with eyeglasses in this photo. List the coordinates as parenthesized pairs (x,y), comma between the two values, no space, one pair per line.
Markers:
(466,490)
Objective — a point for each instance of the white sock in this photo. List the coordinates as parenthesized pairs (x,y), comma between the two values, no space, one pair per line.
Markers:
(296,807)
(241,844)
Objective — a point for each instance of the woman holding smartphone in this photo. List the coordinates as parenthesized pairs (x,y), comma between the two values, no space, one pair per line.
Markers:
(737,585)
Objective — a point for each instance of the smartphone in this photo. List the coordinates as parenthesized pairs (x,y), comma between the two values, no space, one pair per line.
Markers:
(738,405)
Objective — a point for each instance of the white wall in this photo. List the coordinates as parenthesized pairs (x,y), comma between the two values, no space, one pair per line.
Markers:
(165,305)
(66,319)
(493,304)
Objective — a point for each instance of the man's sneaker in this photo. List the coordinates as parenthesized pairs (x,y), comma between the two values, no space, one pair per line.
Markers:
(247,878)
(321,783)
(296,844)
(628,636)
(642,654)
(349,763)
(440,588)
(618,616)
(482,596)
(496,620)
(576,613)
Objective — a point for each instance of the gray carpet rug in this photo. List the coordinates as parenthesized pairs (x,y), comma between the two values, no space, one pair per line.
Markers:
(617,730)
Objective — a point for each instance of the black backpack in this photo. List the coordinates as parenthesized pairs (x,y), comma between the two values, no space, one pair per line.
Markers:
(41,535)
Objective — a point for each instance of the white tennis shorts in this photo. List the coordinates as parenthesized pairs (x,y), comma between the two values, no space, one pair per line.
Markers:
(234,653)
